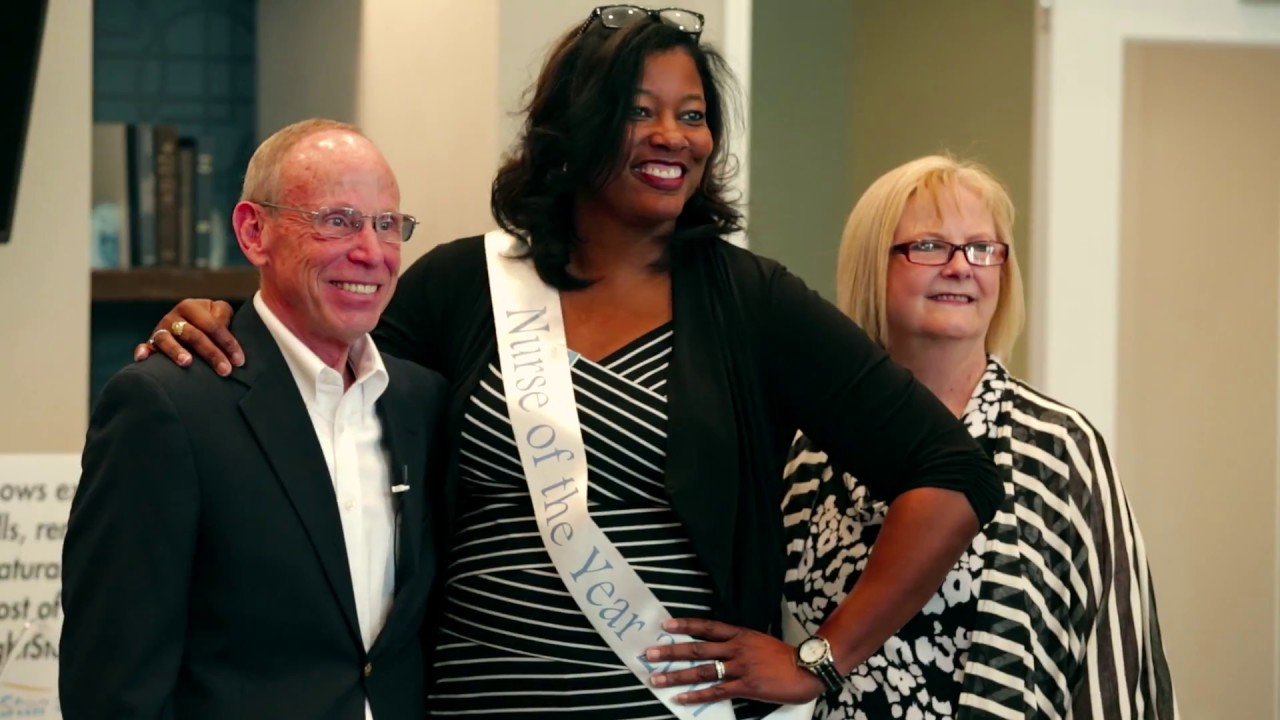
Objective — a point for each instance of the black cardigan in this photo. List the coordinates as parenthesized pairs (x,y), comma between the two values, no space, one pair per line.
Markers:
(756,356)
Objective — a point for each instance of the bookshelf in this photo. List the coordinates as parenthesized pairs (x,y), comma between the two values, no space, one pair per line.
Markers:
(164,284)
(175,104)
(174,107)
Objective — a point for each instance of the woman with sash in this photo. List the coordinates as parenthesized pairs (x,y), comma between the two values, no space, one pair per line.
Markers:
(625,385)
(1051,611)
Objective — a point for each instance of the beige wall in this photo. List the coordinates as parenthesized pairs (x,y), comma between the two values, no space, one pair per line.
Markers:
(418,77)
(44,270)
(1079,355)
(932,76)
(843,92)
(427,94)
(1078,251)
(1197,377)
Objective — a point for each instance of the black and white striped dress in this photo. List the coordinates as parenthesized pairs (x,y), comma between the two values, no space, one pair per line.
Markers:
(513,642)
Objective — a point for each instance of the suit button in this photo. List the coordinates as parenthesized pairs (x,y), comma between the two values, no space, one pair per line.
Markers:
(368,669)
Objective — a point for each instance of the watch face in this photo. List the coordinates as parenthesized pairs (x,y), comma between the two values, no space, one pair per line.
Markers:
(812,651)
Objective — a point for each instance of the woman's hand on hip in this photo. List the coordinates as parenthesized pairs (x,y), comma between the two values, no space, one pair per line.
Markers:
(755,665)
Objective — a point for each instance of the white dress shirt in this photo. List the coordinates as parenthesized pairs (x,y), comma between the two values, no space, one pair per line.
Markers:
(350,436)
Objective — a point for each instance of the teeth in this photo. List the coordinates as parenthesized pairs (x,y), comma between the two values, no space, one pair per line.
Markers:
(952,298)
(666,172)
(358,288)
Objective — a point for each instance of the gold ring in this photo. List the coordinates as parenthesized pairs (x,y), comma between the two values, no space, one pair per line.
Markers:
(719,670)
(178,327)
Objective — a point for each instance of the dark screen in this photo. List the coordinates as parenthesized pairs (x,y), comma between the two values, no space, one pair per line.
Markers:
(20,34)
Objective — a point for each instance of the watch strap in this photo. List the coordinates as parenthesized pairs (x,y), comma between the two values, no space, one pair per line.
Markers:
(827,673)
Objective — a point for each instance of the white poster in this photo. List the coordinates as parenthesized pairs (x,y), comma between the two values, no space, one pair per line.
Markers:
(35,497)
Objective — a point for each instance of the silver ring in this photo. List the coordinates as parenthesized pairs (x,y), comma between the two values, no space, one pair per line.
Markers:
(152,340)
(719,670)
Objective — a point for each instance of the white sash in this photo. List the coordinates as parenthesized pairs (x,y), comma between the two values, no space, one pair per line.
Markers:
(534,359)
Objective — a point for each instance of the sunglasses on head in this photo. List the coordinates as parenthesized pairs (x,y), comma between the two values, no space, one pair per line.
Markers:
(617,16)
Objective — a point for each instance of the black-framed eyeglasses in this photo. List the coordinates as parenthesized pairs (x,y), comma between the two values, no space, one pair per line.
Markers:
(982,253)
(617,16)
(336,223)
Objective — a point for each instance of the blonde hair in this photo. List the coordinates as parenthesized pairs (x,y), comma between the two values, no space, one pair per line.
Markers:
(863,265)
(262,177)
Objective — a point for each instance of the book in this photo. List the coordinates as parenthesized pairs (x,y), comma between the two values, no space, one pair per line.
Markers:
(168,224)
(186,201)
(142,201)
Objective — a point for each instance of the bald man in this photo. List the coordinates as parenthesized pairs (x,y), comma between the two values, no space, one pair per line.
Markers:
(259,546)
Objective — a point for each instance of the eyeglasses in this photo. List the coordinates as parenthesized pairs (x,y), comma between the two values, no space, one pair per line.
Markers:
(336,223)
(983,253)
(617,16)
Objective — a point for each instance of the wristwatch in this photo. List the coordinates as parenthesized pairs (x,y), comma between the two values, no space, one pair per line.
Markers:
(814,655)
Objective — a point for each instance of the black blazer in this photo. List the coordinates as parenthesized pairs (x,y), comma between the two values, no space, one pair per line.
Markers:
(756,356)
(205,573)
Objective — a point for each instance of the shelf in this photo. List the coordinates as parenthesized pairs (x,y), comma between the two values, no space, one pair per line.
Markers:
(171,284)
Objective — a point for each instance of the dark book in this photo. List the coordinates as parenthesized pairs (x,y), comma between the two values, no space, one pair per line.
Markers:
(142,201)
(168,223)
(186,201)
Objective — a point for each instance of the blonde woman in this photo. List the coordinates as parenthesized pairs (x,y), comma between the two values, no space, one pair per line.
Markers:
(1051,612)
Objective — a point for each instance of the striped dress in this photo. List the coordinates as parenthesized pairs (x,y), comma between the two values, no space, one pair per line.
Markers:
(1049,614)
(513,643)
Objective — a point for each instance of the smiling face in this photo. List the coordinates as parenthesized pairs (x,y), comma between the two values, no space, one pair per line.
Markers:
(328,292)
(666,148)
(944,303)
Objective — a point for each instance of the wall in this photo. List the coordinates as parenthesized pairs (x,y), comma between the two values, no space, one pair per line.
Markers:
(426,94)
(1200,220)
(883,83)
(1078,249)
(44,270)
(801,107)
(325,32)
(1213,631)
(421,85)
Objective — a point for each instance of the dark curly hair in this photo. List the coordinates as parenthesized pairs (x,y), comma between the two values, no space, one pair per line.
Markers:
(575,125)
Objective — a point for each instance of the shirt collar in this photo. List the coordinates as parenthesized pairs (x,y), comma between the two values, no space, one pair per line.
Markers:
(310,372)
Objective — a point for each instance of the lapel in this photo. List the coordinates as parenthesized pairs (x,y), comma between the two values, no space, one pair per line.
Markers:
(1002,532)
(401,428)
(702,461)
(402,422)
(987,656)
(274,409)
